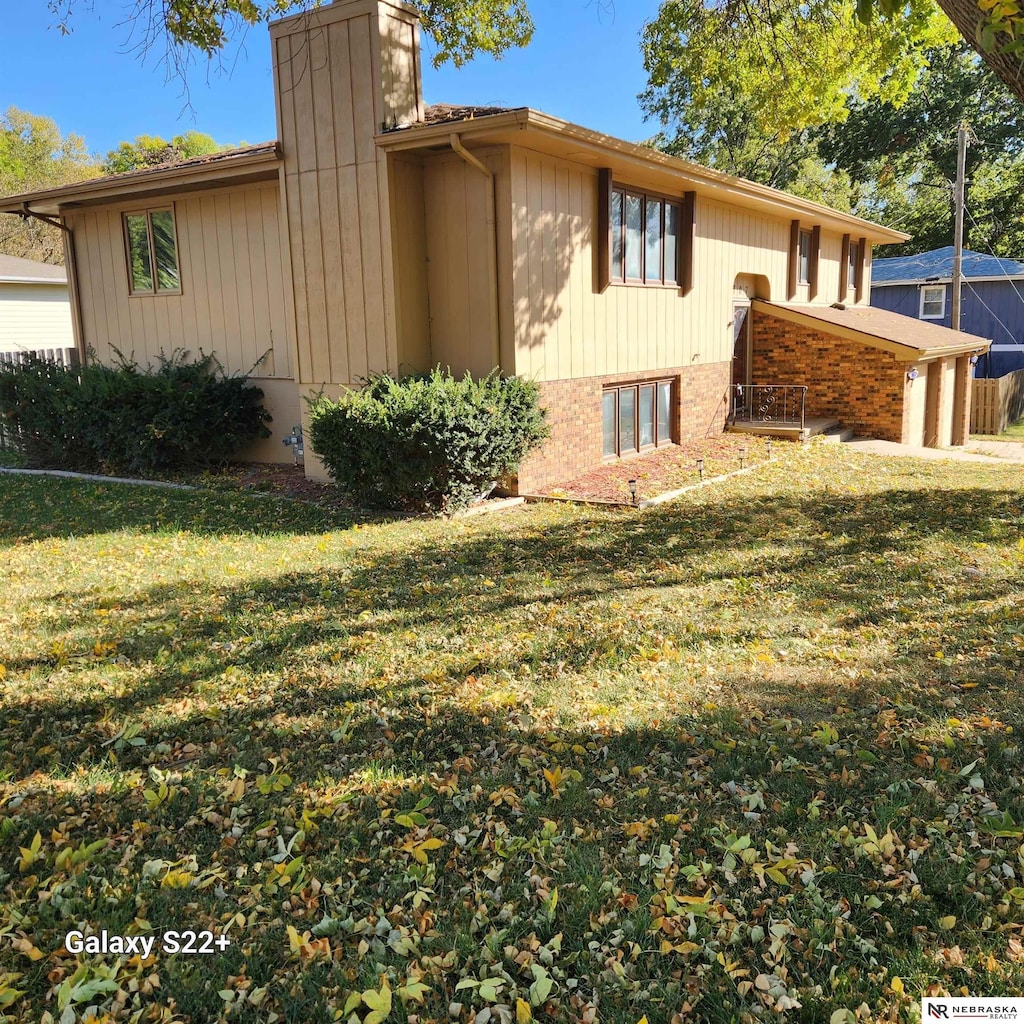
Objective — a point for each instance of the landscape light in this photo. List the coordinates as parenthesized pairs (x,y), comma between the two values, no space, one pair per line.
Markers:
(700,468)
(632,490)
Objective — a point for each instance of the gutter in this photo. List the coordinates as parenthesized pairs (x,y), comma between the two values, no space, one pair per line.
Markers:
(492,227)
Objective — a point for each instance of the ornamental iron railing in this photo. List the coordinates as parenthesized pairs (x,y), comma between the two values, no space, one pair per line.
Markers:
(782,405)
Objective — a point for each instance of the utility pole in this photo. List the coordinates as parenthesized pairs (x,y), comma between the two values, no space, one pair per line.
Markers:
(958,229)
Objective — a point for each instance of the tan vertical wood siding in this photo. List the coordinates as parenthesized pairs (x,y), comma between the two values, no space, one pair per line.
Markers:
(566,327)
(343,73)
(410,243)
(460,247)
(232,302)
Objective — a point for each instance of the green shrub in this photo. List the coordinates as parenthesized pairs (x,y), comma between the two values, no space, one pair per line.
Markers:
(120,419)
(427,442)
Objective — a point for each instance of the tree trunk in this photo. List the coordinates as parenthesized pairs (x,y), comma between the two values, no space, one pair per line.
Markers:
(966,15)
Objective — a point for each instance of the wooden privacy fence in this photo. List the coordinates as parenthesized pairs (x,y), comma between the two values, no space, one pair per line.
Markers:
(996,402)
(63,356)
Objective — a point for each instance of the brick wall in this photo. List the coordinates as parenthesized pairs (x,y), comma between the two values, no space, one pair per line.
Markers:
(574,414)
(862,387)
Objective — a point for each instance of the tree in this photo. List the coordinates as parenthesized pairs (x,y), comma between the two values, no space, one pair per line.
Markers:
(795,63)
(907,154)
(890,163)
(35,155)
(152,150)
(778,68)
(459,28)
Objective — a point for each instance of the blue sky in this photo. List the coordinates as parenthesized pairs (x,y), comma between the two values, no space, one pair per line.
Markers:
(584,65)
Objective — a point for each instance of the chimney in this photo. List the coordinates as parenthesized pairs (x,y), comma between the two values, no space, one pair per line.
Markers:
(343,73)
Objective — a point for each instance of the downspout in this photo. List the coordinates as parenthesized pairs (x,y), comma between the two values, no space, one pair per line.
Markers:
(71,265)
(456,143)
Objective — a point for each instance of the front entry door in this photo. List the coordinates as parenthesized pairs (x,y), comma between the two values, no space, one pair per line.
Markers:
(741,370)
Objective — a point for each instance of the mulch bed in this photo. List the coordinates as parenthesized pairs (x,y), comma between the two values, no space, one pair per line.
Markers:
(667,469)
(282,481)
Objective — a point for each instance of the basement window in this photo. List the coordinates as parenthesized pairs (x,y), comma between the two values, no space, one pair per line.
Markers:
(933,302)
(151,248)
(636,417)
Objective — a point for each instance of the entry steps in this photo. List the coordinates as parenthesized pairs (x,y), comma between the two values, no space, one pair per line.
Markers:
(831,430)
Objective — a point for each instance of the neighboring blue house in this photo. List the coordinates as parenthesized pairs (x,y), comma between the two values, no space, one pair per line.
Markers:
(991,301)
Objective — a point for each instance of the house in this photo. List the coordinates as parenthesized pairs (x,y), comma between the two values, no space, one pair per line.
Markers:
(639,290)
(991,299)
(35,314)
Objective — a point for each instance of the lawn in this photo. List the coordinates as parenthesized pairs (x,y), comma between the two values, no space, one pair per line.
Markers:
(749,755)
(1014,432)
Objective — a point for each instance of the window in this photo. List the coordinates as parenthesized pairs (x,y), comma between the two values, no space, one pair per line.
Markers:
(152,251)
(635,417)
(933,302)
(852,264)
(645,242)
(804,275)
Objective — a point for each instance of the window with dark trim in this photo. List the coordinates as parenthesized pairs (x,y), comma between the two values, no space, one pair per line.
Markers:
(804,264)
(804,255)
(645,238)
(636,417)
(151,248)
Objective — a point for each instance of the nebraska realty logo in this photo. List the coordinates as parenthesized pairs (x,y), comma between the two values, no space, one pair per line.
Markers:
(971,1009)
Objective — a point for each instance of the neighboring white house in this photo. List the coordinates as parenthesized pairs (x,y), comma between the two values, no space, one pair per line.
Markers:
(35,313)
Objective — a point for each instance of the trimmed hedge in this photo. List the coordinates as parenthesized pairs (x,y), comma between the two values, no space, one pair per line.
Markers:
(120,419)
(430,442)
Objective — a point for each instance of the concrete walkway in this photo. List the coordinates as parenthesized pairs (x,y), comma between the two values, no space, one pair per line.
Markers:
(873,447)
(1008,451)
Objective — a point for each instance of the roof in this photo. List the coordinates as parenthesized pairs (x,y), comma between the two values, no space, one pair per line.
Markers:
(443,113)
(247,163)
(15,270)
(905,337)
(938,265)
(497,125)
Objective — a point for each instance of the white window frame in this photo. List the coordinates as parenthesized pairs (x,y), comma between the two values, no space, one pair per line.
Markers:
(925,289)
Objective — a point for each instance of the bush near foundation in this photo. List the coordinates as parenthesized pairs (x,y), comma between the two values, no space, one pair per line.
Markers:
(179,416)
(430,442)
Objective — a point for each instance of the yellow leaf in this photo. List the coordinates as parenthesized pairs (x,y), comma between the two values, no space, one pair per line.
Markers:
(642,1020)
(897,986)
(946,923)
(523,1012)
(25,947)
(379,1003)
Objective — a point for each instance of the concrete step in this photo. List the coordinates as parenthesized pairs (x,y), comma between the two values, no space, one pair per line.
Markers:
(838,434)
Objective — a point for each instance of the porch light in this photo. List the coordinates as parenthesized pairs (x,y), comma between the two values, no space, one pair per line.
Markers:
(632,490)
(913,374)
(974,360)
(700,468)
